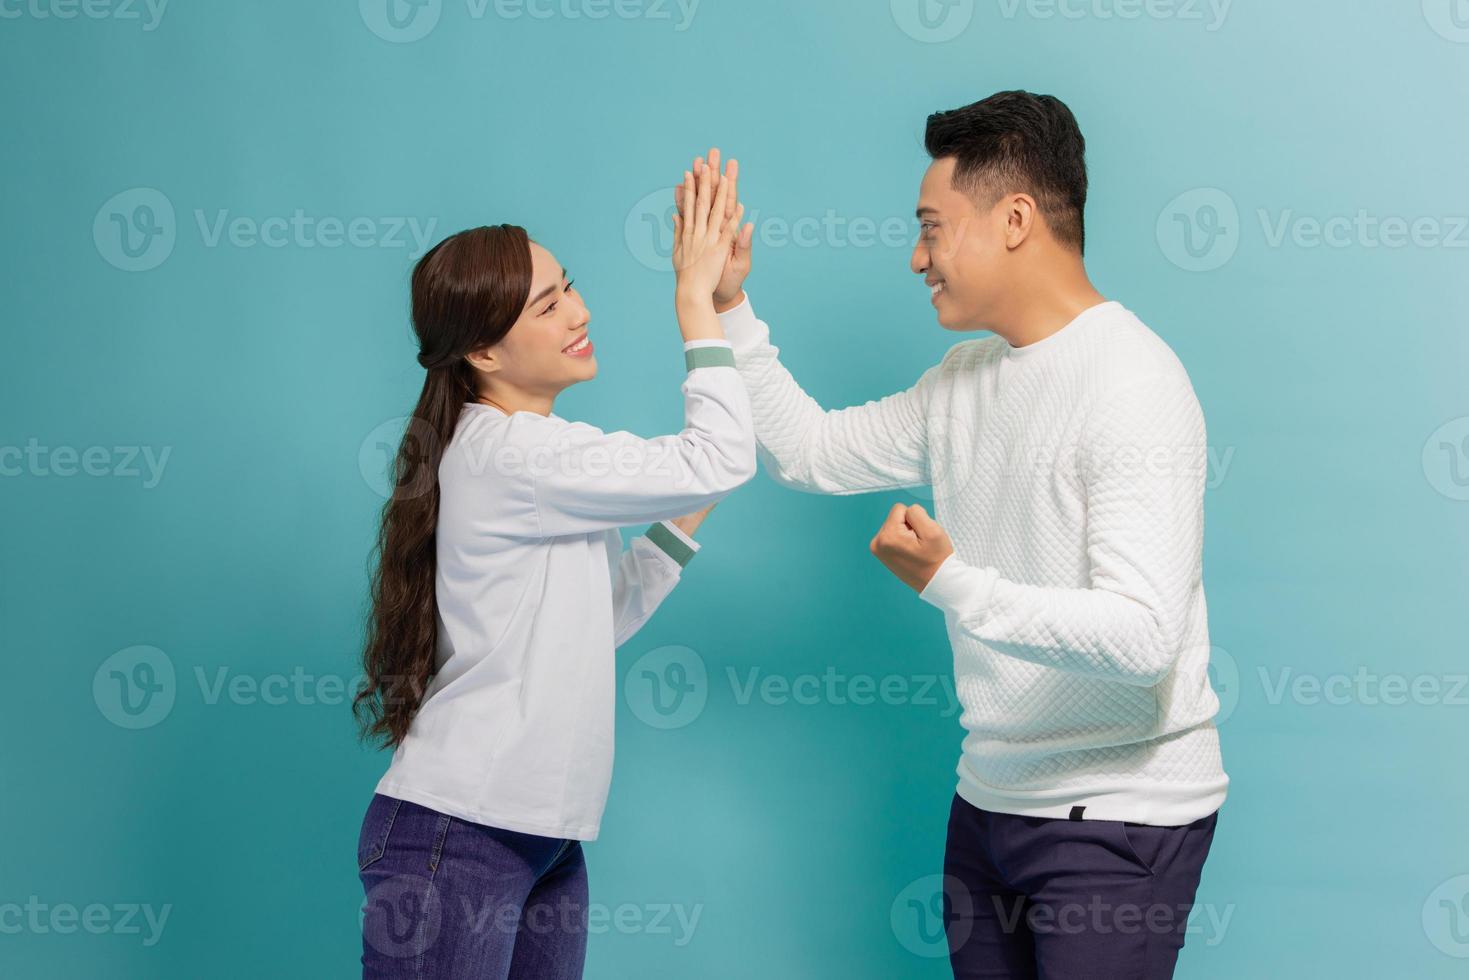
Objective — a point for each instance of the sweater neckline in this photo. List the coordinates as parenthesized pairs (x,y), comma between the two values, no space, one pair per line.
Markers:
(1088,315)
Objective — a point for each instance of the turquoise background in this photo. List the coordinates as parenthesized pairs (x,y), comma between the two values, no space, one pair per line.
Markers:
(1332,378)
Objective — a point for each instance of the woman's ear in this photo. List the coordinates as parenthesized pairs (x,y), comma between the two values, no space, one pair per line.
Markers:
(486,360)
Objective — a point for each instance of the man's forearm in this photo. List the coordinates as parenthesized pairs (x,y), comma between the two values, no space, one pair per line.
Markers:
(880,445)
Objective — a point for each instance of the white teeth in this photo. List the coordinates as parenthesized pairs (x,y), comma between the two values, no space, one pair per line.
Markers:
(579,345)
(935,289)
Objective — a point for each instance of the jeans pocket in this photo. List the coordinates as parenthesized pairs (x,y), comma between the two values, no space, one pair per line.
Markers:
(376,825)
(1141,842)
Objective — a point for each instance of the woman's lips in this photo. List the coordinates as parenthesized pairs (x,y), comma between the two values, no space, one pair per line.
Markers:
(582,348)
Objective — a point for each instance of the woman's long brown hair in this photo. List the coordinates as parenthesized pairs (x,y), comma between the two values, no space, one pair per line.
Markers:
(468,291)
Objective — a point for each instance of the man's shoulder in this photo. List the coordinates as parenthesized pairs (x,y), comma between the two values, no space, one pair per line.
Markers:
(1124,350)
(970,354)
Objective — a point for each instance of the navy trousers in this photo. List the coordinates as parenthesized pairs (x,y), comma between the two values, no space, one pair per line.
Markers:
(1040,897)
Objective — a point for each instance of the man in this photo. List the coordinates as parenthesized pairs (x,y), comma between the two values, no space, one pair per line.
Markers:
(1067,456)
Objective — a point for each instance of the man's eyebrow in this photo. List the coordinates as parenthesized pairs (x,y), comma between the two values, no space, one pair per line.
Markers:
(926,210)
(545,292)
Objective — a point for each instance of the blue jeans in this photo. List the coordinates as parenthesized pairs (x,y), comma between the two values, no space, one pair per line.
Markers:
(447,898)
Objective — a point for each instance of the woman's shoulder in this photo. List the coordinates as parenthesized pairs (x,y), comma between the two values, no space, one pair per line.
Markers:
(486,436)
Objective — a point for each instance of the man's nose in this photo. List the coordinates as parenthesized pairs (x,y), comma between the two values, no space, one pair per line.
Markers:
(920,261)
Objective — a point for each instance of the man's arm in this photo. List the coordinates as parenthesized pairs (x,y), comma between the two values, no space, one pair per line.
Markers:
(881,445)
(1144,468)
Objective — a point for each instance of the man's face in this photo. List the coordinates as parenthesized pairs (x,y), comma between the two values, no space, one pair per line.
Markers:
(961,250)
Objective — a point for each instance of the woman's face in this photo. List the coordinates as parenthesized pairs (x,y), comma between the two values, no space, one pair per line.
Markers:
(548,349)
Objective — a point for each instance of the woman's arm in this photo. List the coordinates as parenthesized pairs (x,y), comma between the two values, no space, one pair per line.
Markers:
(574,478)
(644,574)
(689,523)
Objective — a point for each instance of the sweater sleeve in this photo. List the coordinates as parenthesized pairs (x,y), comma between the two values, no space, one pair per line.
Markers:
(1142,460)
(644,574)
(881,445)
(577,479)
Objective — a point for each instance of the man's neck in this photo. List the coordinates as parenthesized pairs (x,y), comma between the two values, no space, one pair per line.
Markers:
(1048,303)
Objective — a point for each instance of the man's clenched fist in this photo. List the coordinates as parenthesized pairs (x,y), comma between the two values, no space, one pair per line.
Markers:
(912,545)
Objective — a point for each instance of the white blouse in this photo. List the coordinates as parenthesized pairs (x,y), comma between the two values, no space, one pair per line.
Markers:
(534,592)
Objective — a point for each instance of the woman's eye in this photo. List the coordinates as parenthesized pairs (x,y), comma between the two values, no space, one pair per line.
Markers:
(552,307)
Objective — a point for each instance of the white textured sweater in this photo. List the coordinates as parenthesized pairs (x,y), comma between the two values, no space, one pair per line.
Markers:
(1069,475)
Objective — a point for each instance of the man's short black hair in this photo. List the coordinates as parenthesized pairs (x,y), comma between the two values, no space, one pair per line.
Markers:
(1017,141)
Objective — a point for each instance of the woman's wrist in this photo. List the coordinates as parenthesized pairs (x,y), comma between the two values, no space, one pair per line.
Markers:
(696,317)
(692,299)
(689,523)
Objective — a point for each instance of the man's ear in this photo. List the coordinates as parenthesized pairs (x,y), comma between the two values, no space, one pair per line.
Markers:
(1020,216)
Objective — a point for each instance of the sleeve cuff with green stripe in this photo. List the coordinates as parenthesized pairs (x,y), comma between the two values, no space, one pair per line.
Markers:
(673,542)
(708,353)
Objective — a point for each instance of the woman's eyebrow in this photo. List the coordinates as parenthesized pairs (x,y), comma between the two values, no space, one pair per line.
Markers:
(545,292)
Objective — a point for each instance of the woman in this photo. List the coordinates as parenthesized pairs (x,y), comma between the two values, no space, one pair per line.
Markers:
(502,590)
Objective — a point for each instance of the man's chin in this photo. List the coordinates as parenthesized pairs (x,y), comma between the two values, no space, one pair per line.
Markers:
(949,321)
(959,321)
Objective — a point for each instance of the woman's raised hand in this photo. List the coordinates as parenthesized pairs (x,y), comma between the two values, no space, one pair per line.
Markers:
(704,226)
